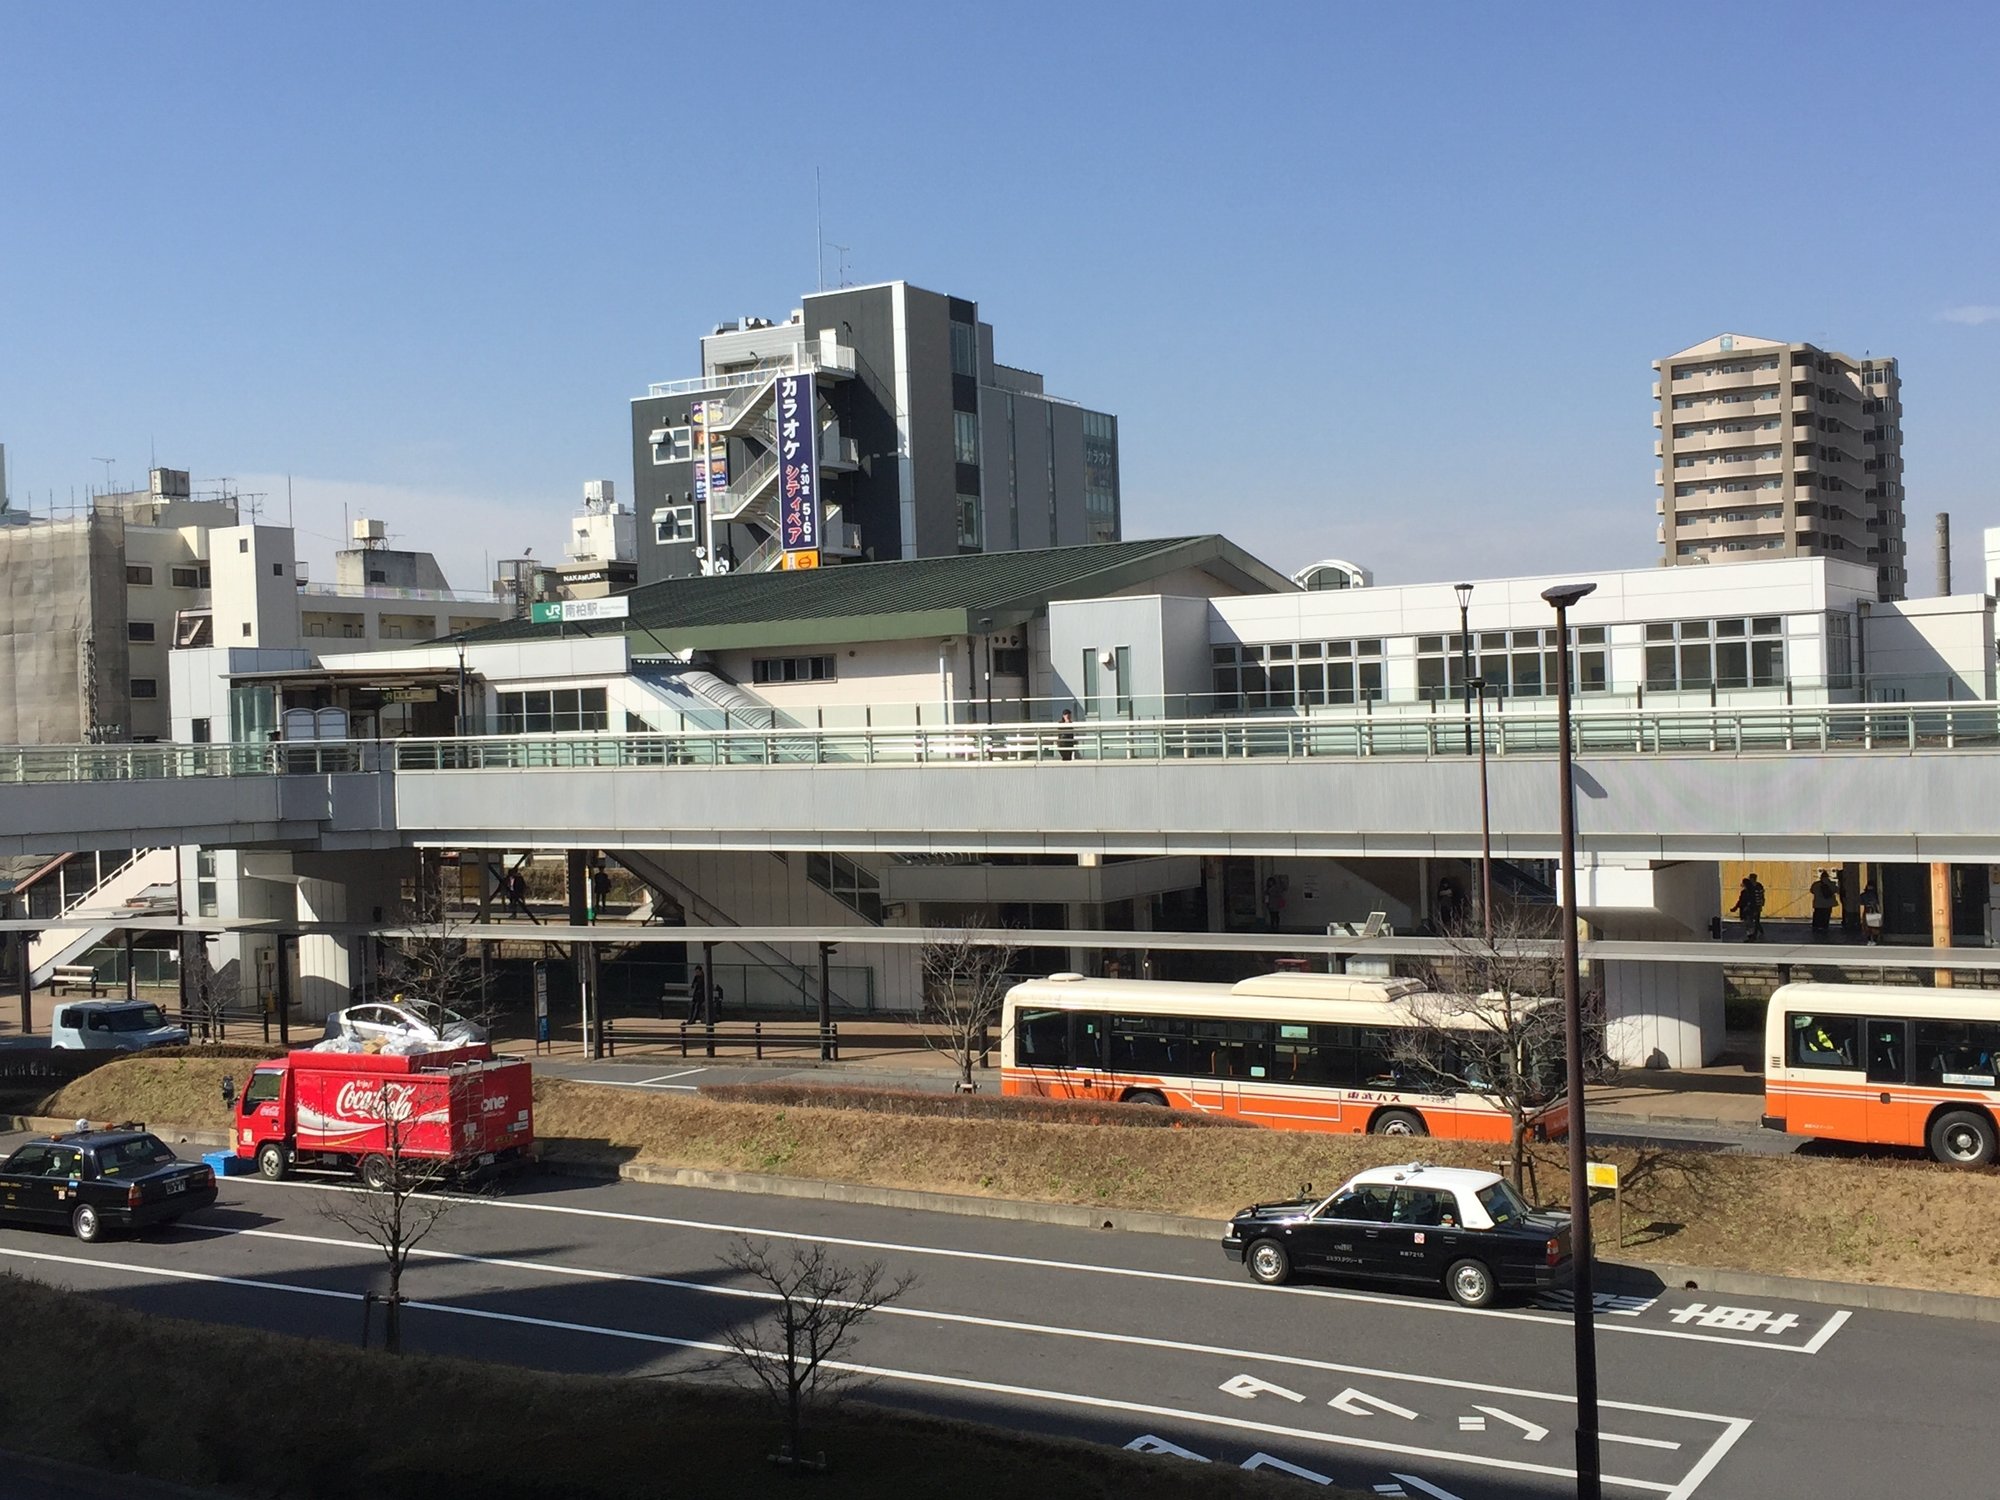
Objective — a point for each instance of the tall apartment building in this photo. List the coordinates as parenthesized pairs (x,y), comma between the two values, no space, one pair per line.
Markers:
(926,446)
(1769,449)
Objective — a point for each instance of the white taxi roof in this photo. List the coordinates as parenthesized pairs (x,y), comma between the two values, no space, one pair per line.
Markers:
(1416,1173)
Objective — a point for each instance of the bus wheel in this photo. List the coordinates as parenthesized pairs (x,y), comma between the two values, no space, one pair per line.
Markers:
(1397,1122)
(1146,1096)
(1962,1139)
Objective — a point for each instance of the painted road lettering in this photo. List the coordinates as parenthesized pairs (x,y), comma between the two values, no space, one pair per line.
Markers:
(1269,1461)
(1530,1432)
(1357,1403)
(1736,1319)
(1248,1386)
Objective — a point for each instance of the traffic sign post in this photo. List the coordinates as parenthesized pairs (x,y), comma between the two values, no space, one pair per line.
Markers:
(1604,1174)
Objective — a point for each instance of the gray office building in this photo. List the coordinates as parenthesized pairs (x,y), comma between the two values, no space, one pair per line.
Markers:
(923,445)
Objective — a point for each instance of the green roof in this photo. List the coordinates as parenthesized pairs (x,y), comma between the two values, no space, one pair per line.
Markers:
(897,600)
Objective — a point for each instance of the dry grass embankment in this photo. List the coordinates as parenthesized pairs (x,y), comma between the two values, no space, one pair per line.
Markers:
(1899,1223)
(271,1415)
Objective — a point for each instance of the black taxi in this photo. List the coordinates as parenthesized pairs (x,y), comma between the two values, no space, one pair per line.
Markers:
(1418,1225)
(95,1181)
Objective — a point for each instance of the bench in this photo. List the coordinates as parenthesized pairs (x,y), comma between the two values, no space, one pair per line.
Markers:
(75,976)
(632,1031)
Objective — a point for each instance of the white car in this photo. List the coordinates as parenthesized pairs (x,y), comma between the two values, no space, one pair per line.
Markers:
(405,1020)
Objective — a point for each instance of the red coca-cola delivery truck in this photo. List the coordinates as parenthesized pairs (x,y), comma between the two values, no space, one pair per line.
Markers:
(463,1108)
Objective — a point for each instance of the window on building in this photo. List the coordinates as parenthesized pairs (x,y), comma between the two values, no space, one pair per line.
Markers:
(1010,661)
(1839,650)
(673,445)
(139,574)
(1285,675)
(970,529)
(139,630)
(792,669)
(1512,663)
(1696,655)
(553,711)
(204,883)
(673,523)
(964,351)
(965,436)
(191,578)
(145,687)
(200,731)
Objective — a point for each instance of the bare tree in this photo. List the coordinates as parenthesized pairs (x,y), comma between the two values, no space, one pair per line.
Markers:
(1490,1022)
(815,1304)
(394,1209)
(438,963)
(212,992)
(967,972)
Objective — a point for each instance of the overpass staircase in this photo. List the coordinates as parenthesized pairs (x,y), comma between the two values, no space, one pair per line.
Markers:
(142,885)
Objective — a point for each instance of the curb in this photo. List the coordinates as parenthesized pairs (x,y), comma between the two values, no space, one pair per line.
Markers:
(1638,1276)
(181,1135)
(968,1205)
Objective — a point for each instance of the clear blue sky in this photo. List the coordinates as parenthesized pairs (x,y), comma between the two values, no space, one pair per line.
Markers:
(1375,281)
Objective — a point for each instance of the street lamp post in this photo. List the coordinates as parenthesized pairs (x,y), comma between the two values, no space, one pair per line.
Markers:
(1485,822)
(1464,592)
(1589,1469)
(986,630)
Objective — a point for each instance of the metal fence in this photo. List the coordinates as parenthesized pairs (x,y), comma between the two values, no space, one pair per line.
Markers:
(1859,727)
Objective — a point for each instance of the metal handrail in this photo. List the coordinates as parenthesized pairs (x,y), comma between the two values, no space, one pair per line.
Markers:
(1858,727)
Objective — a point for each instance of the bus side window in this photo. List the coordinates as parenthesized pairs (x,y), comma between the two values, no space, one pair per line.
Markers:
(1041,1037)
(1822,1041)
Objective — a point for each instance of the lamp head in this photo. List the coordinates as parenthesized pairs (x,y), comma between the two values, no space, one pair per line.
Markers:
(1563,595)
(1464,592)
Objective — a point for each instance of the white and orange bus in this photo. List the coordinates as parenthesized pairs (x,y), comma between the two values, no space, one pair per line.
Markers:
(1888,1065)
(1293,1051)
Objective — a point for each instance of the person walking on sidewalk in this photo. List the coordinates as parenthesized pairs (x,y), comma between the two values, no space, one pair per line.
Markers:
(1750,907)
(697,995)
(1822,892)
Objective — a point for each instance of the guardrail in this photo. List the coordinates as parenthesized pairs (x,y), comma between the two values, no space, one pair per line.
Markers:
(1872,728)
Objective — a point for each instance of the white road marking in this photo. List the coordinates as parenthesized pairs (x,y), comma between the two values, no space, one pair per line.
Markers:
(1179,1346)
(1706,1464)
(1423,1487)
(915,1377)
(1472,1424)
(1832,1327)
(1267,1461)
(683,1073)
(1531,1432)
(1636,1442)
(1249,1386)
(1040,1263)
(1147,1443)
(1357,1403)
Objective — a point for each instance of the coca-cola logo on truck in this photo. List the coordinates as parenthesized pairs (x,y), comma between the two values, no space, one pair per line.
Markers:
(360,1101)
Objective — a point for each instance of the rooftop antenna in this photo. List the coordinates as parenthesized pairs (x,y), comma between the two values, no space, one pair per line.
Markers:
(843,263)
(107,462)
(819,233)
(291,516)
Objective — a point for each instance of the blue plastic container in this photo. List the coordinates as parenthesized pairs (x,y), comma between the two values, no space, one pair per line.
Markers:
(225,1163)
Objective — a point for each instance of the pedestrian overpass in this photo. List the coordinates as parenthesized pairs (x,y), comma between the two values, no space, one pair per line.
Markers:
(1882,782)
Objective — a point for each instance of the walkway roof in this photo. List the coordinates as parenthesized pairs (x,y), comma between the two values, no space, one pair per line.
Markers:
(899,600)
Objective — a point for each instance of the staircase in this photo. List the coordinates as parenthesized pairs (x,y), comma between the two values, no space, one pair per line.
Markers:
(141,886)
(791,974)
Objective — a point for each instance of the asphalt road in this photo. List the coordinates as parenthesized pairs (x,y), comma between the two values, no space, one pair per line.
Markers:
(1128,1339)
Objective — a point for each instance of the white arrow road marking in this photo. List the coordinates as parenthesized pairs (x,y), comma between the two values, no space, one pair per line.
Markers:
(1424,1487)
(1357,1403)
(1247,1386)
(1530,1432)
(1266,1461)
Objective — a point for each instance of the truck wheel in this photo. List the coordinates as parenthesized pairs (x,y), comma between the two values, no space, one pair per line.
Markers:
(377,1175)
(85,1224)
(1398,1122)
(1962,1138)
(273,1161)
(1470,1283)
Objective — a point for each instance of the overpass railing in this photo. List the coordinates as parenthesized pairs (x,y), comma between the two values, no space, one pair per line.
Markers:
(1864,728)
